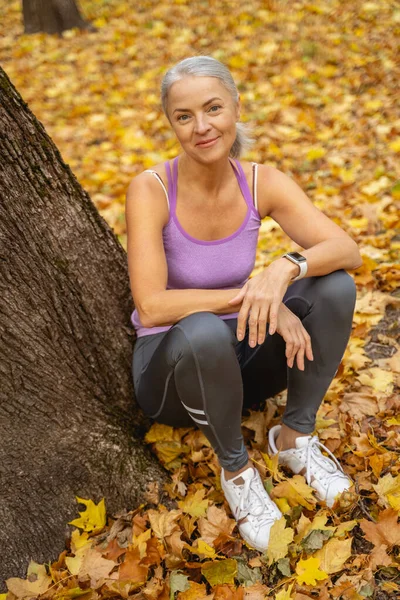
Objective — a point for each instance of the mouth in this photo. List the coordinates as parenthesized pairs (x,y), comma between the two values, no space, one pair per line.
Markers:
(207,143)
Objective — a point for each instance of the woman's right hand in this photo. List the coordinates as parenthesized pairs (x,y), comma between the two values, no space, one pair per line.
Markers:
(298,340)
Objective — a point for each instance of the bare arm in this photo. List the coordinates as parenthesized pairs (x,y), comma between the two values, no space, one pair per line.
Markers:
(146,214)
(327,246)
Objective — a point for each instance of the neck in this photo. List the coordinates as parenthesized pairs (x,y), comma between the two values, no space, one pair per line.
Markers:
(210,177)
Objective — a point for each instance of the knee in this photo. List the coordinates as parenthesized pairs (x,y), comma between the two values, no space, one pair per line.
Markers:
(207,332)
(339,287)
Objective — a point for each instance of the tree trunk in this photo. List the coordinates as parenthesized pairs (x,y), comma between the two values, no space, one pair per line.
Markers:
(52,16)
(68,421)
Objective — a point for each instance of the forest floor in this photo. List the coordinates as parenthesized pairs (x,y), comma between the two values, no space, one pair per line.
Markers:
(319,85)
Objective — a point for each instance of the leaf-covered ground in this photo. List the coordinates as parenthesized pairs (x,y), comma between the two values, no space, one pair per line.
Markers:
(318,82)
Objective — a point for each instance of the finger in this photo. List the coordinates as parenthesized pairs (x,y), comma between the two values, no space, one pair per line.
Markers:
(262,325)
(309,352)
(300,355)
(290,350)
(253,326)
(242,320)
(273,317)
(294,348)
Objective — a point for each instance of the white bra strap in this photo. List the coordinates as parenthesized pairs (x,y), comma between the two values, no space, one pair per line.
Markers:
(255,171)
(156,175)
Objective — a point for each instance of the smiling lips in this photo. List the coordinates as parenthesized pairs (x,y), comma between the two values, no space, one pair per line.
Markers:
(207,143)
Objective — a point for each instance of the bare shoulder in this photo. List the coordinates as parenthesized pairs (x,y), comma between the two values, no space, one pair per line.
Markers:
(268,178)
(275,187)
(146,193)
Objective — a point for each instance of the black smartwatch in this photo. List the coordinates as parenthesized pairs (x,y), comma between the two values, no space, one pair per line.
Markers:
(300,260)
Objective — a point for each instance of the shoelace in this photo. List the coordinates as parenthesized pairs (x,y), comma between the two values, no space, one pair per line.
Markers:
(313,452)
(257,503)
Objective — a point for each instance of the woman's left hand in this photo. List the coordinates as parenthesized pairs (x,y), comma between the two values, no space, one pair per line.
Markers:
(261,297)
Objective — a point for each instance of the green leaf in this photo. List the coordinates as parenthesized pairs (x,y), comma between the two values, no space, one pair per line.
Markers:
(315,539)
(283,565)
(246,575)
(178,582)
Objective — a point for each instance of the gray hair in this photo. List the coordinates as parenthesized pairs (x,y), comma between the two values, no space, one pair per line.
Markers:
(206,66)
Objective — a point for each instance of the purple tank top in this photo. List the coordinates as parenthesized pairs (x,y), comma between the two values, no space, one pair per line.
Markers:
(218,264)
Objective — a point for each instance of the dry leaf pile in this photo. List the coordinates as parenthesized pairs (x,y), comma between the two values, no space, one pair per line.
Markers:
(318,83)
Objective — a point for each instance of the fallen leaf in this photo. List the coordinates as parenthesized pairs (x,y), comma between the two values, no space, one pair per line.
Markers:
(94,517)
(308,571)
(279,539)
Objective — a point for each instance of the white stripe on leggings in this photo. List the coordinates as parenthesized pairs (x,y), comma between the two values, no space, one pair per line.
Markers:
(198,420)
(194,410)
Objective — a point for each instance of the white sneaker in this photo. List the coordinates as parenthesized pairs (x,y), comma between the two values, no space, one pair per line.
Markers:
(326,476)
(251,506)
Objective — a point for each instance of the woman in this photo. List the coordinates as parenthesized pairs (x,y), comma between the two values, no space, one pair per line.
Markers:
(211,340)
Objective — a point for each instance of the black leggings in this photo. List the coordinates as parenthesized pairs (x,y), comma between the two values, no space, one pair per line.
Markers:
(198,373)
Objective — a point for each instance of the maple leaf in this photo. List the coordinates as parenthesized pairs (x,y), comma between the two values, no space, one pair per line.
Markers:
(131,569)
(96,567)
(93,518)
(308,571)
(385,532)
(217,521)
(194,504)
(296,492)
(279,539)
(163,523)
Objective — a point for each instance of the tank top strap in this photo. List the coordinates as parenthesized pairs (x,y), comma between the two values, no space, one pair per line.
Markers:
(241,177)
(172,181)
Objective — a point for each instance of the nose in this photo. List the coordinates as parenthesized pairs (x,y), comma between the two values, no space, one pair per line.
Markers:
(201,124)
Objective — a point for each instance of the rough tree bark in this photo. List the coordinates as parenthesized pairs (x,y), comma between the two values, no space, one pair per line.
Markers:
(68,421)
(52,16)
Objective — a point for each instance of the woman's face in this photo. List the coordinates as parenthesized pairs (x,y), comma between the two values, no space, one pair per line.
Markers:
(203,115)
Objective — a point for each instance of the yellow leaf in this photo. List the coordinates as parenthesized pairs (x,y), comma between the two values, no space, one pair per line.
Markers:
(334,555)
(140,542)
(283,505)
(159,432)
(395,145)
(219,572)
(378,379)
(296,492)
(36,583)
(393,421)
(203,549)
(308,571)
(163,523)
(394,501)
(315,153)
(74,563)
(344,527)
(284,594)
(194,504)
(279,540)
(79,540)
(389,486)
(361,223)
(272,465)
(94,517)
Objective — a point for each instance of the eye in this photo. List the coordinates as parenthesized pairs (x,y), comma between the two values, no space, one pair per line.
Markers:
(215,108)
(182,118)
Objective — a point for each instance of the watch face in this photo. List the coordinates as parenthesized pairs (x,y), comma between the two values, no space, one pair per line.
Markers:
(297,256)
